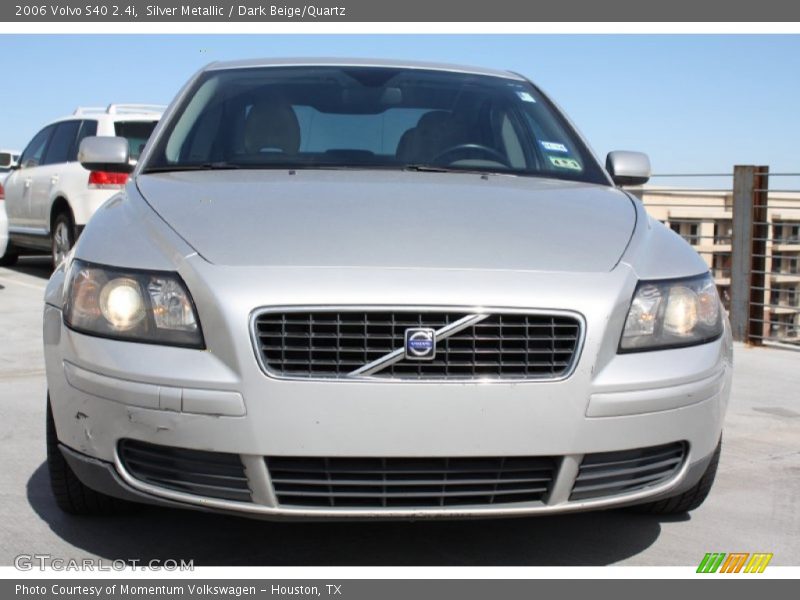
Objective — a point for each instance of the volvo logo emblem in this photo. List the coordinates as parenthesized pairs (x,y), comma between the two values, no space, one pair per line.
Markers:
(420,343)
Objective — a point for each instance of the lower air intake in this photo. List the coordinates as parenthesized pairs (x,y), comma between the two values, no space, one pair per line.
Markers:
(196,472)
(612,473)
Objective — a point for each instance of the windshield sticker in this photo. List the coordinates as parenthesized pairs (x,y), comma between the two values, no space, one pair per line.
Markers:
(553,146)
(565,163)
(526,97)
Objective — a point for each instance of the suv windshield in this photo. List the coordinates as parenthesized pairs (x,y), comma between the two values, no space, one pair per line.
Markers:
(6,160)
(370,117)
(137,133)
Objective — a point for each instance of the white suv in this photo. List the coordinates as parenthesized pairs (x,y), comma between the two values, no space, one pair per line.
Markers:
(49,196)
(8,160)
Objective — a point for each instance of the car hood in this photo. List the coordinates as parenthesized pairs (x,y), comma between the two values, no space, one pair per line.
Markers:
(359,218)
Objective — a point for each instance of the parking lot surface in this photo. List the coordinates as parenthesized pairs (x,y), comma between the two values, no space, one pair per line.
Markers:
(754,506)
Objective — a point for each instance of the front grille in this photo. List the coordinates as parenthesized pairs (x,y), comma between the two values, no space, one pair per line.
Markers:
(210,474)
(409,482)
(612,473)
(334,344)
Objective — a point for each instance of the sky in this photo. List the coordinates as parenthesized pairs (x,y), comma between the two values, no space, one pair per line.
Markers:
(695,104)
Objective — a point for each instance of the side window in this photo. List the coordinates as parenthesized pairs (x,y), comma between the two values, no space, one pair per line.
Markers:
(32,155)
(60,147)
(88,129)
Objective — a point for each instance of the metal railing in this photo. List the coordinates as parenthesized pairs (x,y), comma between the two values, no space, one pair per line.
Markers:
(749,235)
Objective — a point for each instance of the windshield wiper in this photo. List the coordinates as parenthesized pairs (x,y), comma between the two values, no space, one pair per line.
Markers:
(427,169)
(421,168)
(221,166)
(214,166)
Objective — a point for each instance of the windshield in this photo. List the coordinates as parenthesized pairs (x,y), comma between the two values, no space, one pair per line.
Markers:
(137,133)
(370,117)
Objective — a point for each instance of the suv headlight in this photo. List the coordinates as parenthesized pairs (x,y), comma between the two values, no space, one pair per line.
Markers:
(137,306)
(672,313)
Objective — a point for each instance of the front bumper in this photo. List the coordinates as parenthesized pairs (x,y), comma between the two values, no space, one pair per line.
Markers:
(113,480)
(103,391)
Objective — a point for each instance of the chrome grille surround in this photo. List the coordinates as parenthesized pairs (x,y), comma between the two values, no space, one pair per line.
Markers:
(397,486)
(554,336)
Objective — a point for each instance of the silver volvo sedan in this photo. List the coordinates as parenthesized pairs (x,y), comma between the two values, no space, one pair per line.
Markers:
(375,289)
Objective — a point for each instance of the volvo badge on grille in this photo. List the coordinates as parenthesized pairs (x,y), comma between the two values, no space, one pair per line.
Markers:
(420,343)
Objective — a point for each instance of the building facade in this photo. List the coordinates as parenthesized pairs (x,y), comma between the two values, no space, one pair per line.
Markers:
(705,220)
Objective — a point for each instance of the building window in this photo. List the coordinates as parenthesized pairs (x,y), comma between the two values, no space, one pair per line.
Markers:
(721,265)
(785,296)
(784,328)
(789,265)
(786,233)
(783,264)
(688,230)
(723,231)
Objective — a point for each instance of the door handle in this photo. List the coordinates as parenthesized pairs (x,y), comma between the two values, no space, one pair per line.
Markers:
(54,180)
(27,183)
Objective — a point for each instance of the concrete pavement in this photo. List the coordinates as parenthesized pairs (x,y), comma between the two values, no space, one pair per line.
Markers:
(754,506)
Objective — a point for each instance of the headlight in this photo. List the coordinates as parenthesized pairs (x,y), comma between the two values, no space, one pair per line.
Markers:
(138,306)
(672,313)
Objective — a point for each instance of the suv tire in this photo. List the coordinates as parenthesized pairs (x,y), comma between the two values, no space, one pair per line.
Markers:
(62,238)
(9,259)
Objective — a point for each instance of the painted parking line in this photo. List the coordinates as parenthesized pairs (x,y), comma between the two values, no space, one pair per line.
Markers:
(5,281)
(16,374)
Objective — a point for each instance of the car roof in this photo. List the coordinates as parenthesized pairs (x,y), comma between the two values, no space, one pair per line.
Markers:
(359,62)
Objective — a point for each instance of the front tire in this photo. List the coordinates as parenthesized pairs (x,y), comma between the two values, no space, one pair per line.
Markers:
(690,499)
(9,259)
(71,495)
(62,238)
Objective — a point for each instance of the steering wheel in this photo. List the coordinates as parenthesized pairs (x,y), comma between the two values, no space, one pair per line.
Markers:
(451,154)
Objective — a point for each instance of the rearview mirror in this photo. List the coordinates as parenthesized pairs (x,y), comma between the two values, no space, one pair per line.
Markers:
(628,168)
(111,154)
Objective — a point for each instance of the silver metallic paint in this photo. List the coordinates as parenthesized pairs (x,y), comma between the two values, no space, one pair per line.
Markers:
(519,243)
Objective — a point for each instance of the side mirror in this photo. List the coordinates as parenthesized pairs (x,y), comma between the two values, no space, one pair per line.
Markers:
(111,154)
(628,168)
(5,161)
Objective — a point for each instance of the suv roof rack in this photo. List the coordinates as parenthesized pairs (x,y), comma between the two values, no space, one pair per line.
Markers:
(113,109)
(135,108)
(85,110)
